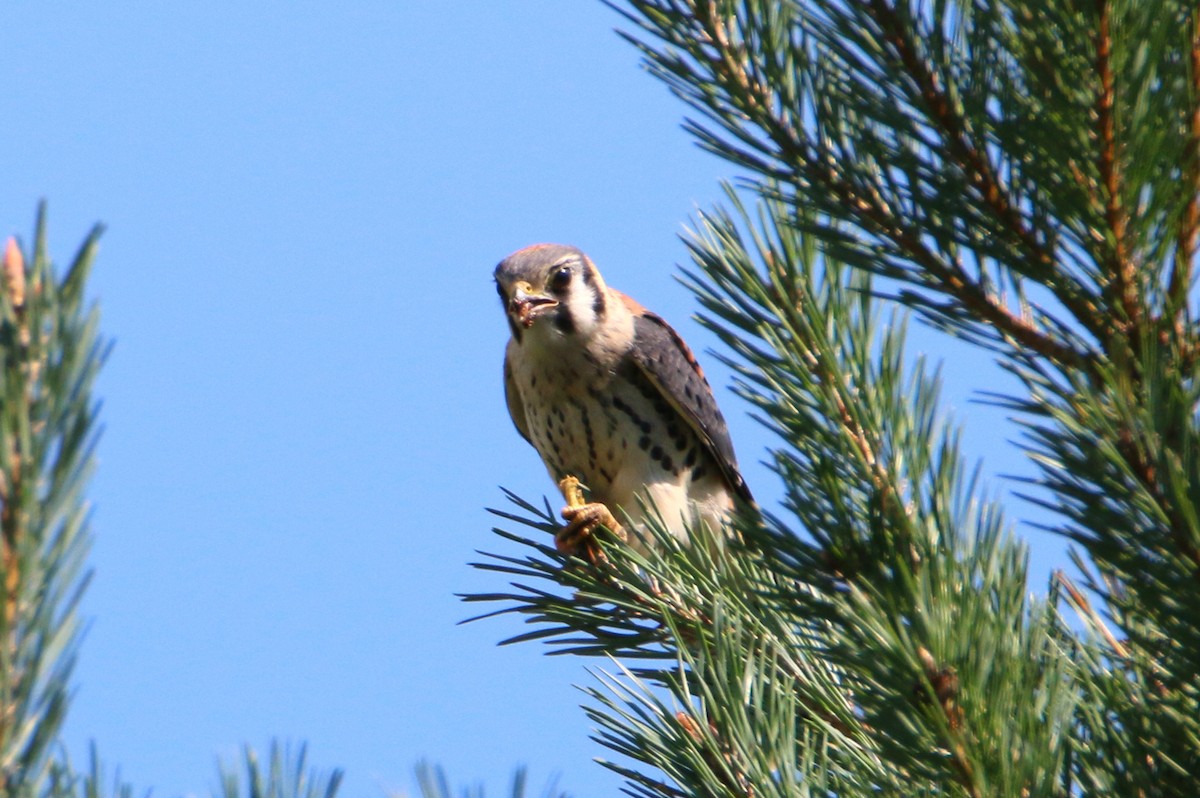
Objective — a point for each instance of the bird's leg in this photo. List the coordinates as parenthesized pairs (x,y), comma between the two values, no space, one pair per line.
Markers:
(583,519)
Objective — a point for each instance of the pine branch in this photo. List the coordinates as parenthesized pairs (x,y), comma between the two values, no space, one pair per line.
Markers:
(898,563)
(682,606)
(49,357)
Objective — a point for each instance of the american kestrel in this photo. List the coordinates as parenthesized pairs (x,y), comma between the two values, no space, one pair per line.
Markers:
(608,393)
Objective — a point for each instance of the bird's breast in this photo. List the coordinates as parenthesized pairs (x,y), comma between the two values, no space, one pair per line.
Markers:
(616,434)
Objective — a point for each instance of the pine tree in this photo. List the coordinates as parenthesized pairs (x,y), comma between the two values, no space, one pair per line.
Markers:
(1024,175)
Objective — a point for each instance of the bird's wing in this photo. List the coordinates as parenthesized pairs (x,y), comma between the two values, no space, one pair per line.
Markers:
(662,357)
(516,408)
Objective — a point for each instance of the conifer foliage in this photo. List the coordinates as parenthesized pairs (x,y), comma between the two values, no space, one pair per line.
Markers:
(1024,176)
(49,356)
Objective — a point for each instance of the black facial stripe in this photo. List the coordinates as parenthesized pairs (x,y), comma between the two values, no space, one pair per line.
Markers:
(563,319)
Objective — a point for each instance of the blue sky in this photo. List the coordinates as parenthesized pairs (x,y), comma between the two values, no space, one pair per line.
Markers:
(303,410)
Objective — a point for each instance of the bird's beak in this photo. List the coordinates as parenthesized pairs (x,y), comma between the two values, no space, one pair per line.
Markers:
(527,306)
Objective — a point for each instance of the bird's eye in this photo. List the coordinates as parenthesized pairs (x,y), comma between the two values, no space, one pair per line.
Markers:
(560,279)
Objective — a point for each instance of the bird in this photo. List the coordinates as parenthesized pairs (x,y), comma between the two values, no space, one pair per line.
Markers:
(610,395)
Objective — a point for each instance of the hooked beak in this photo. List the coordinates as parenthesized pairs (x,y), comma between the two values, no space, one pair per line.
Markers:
(527,306)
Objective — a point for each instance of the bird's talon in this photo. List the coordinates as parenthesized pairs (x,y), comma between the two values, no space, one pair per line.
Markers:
(572,491)
(582,522)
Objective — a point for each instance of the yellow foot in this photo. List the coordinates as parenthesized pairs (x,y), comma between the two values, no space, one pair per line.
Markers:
(583,519)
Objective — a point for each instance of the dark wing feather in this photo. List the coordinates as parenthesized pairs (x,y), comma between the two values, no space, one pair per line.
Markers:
(516,408)
(665,360)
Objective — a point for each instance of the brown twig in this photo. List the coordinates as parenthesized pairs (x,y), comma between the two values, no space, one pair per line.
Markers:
(1121,267)
(944,684)
(1084,608)
(723,765)
(945,687)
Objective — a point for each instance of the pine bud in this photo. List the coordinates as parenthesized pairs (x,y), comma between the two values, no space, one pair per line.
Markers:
(14,272)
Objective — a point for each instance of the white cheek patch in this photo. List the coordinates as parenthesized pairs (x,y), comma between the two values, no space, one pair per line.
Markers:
(581,305)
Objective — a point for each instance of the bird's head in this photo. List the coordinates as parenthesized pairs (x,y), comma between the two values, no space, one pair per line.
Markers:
(553,289)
